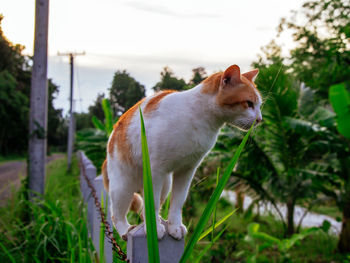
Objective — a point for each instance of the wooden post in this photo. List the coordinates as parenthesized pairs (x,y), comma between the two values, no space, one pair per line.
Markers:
(71,127)
(71,115)
(38,101)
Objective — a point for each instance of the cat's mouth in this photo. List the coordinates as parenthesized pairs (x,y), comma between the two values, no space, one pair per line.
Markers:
(244,126)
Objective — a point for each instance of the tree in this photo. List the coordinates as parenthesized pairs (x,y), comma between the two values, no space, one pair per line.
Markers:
(199,74)
(321,31)
(57,126)
(82,121)
(169,82)
(290,149)
(322,58)
(124,92)
(15,79)
(13,114)
(96,108)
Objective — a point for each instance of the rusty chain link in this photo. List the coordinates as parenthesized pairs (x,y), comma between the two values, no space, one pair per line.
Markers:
(108,231)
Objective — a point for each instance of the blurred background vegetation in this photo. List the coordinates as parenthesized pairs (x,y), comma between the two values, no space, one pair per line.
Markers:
(298,156)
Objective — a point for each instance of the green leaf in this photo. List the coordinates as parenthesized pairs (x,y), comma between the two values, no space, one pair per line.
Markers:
(213,200)
(108,116)
(97,123)
(206,248)
(151,226)
(253,228)
(211,228)
(340,100)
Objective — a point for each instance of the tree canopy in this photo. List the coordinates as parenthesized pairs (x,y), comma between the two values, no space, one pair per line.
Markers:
(124,92)
(15,81)
(169,81)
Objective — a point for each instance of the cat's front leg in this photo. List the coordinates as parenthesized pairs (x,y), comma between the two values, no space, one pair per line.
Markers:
(181,184)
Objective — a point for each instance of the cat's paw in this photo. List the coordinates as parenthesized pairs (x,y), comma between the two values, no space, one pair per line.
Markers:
(177,231)
(125,236)
(122,226)
(160,230)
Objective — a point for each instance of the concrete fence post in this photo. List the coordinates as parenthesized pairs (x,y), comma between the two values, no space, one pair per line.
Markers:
(93,215)
(98,184)
(90,171)
(170,250)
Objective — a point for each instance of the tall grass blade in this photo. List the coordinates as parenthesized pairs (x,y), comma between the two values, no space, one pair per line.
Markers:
(151,226)
(207,247)
(214,214)
(166,207)
(213,200)
(8,254)
(102,234)
(217,224)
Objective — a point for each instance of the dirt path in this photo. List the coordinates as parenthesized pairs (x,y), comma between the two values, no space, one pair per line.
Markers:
(11,174)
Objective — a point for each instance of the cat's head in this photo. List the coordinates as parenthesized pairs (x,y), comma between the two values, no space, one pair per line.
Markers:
(238,98)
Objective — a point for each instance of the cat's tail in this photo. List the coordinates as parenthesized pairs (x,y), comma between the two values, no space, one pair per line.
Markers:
(136,204)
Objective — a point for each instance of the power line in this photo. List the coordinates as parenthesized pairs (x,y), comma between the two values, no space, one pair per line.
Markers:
(79,90)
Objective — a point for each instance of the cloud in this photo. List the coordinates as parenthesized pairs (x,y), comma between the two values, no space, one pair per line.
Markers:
(162,10)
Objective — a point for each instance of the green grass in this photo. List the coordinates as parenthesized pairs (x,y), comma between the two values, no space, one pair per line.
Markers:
(53,229)
(319,247)
(12,157)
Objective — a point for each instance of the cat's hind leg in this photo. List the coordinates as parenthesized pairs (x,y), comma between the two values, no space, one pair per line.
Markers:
(121,193)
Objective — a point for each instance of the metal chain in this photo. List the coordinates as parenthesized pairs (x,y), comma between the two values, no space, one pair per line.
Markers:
(108,231)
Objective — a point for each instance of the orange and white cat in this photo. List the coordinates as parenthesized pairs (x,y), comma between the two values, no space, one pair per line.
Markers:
(181,128)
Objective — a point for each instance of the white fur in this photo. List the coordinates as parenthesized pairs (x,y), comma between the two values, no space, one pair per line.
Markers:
(180,132)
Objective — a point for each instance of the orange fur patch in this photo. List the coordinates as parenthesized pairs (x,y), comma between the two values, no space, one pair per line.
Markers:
(230,95)
(105,175)
(212,84)
(153,103)
(238,94)
(120,134)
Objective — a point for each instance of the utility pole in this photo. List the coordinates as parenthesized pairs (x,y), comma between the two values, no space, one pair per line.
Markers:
(38,102)
(71,128)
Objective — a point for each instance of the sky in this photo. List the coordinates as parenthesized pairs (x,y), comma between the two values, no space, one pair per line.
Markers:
(144,36)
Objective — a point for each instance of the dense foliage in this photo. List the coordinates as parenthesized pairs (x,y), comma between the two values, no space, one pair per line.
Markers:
(15,77)
(124,92)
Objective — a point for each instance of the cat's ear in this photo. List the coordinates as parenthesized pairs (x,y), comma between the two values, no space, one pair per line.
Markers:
(251,75)
(232,75)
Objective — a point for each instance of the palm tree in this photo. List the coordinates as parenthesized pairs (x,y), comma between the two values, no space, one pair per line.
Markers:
(285,160)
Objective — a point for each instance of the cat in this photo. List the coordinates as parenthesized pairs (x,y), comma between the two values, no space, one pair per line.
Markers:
(181,128)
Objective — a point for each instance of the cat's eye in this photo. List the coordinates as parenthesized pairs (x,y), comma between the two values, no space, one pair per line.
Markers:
(250,104)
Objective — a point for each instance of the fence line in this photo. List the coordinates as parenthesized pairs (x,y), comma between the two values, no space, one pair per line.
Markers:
(170,250)
(93,207)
